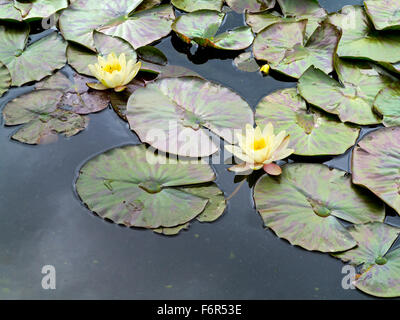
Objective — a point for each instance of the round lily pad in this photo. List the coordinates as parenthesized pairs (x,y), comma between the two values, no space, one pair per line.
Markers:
(285,48)
(385,14)
(133,186)
(303,204)
(246,62)
(241,6)
(115,18)
(5,79)
(380,267)
(195,5)
(376,163)
(361,40)
(387,104)
(202,27)
(32,62)
(15,10)
(175,115)
(353,97)
(152,55)
(311,132)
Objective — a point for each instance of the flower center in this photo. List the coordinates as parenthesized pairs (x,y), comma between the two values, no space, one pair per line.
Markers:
(259,144)
(110,68)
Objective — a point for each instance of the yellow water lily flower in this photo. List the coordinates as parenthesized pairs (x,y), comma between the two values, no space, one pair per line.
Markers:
(259,149)
(265,69)
(113,72)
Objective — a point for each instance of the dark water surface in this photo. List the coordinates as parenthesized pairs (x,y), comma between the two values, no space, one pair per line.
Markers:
(44,223)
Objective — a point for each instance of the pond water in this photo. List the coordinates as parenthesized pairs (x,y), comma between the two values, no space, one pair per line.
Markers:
(44,223)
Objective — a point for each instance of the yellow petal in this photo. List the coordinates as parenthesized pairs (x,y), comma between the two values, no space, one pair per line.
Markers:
(268,130)
(237,152)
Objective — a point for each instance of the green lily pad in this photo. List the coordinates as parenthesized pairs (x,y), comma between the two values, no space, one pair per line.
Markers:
(133,186)
(202,27)
(32,62)
(380,268)
(115,18)
(39,113)
(241,6)
(152,55)
(387,105)
(79,57)
(311,132)
(14,10)
(195,5)
(353,97)
(285,48)
(246,62)
(173,231)
(148,4)
(5,79)
(175,115)
(376,163)
(303,204)
(384,14)
(361,40)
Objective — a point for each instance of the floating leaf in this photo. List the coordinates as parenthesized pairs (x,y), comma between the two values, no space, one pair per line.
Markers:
(376,163)
(32,62)
(152,55)
(361,40)
(173,231)
(284,46)
(380,268)
(79,57)
(246,62)
(311,132)
(202,26)
(14,10)
(384,14)
(148,4)
(5,79)
(115,18)
(175,114)
(387,104)
(133,186)
(241,6)
(352,98)
(195,5)
(303,204)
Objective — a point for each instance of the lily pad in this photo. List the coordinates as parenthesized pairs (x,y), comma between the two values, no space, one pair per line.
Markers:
(303,204)
(14,10)
(387,105)
(148,4)
(116,18)
(32,62)
(361,40)
(195,5)
(133,186)
(380,267)
(79,57)
(241,6)
(285,48)
(353,97)
(5,79)
(246,62)
(175,115)
(311,132)
(384,14)
(152,55)
(202,27)
(376,163)
(39,113)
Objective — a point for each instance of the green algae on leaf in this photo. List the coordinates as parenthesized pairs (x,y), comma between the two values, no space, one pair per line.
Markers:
(19,11)
(380,267)
(286,49)
(387,105)
(384,14)
(353,97)
(135,187)
(32,62)
(241,6)
(376,163)
(175,115)
(117,19)
(311,132)
(202,27)
(303,204)
(5,79)
(195,5)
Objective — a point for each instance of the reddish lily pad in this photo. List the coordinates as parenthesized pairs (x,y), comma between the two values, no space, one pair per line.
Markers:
(387,105)
(5,79)
(175,115)
(195,5)
(19,11)
(353,97)
(376,163)
(384,14)
(380,267)
(241,6)
(202,27)
(32,62)
(303,204)
(311,132)
(134,187)
(285,48)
